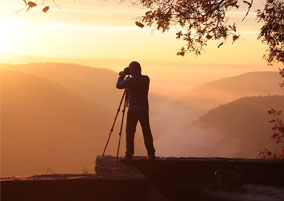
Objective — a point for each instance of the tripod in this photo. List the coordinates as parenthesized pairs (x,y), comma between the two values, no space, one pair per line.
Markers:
(124,97)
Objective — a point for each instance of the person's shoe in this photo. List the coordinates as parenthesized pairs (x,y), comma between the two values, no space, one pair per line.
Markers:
(151,157)
(128,158)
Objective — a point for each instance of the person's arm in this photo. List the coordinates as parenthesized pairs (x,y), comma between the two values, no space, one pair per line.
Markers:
(123,83)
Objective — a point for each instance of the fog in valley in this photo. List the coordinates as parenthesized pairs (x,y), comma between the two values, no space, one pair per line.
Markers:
(56,117)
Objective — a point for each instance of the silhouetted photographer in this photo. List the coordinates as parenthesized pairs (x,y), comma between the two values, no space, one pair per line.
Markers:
(138,107)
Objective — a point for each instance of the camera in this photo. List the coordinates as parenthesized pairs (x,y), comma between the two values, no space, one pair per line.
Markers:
(126,71)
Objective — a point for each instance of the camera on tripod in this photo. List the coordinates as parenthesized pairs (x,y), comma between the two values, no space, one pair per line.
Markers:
(127,71)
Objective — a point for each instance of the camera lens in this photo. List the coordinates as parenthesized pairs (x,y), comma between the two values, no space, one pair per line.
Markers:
(127,71)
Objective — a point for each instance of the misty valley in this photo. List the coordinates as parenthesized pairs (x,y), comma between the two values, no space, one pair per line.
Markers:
(55,117)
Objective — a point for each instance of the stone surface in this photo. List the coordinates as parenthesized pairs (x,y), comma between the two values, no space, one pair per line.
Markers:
(163,179)
(179,179)
(249,192)
(202,169)
(109,166)
(117,183)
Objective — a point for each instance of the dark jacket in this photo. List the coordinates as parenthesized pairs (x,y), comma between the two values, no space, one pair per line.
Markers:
(138,87)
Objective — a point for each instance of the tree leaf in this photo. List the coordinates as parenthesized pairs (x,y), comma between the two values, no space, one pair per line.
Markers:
(208,37)
(235,37)
(248,3)
(139,24)
(45,9)
(31,4)
(220,44)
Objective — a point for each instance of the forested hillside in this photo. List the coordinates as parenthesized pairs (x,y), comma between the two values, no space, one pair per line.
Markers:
(243,124)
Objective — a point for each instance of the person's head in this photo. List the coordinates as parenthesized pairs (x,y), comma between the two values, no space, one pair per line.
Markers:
(135,68)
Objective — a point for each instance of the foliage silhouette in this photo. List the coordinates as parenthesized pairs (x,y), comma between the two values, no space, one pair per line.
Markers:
(277,136)
(272,32)
(196,21)
(200,21)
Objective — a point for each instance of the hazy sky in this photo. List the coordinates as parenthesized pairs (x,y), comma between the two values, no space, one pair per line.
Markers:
(99,29)
(106,29)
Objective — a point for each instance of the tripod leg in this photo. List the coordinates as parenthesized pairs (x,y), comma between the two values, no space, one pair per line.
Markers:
(111,130)
(121,126)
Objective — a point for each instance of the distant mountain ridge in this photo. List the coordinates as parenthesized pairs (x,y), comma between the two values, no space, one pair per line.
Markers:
(95,84)
(43,126)
(212,94)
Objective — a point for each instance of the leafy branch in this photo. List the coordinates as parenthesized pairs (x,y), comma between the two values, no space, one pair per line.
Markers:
(31,4)
(277,136)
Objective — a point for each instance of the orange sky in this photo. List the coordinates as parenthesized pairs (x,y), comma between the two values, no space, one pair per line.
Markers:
(105,29)
(98,29)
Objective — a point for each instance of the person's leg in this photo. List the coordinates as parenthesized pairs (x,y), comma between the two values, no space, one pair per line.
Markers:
(148,138)
(130,131)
